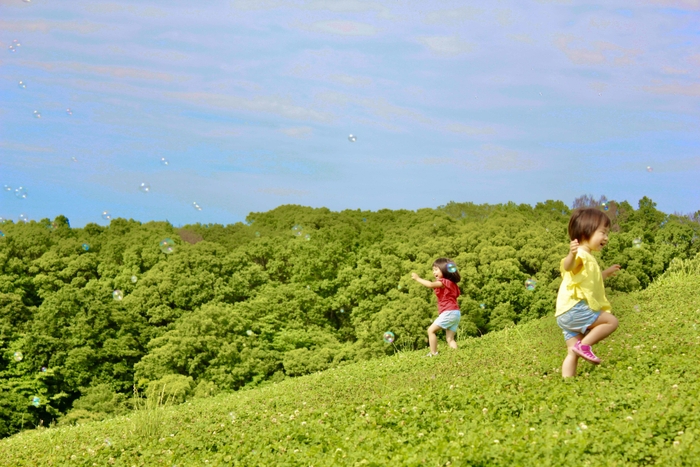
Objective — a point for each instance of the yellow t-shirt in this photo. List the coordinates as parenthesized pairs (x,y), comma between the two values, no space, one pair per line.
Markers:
(586,284)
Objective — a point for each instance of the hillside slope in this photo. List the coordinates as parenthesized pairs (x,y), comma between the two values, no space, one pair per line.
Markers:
(497,401)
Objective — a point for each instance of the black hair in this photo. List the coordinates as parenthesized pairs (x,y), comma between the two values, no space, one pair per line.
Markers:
(584,223)
(442,265)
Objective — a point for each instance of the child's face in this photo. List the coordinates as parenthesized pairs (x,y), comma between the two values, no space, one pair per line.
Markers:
(599,239)
(437,273)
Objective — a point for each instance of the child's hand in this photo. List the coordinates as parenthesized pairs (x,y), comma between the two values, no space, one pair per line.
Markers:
(573,247)
(415,276)
(611,271)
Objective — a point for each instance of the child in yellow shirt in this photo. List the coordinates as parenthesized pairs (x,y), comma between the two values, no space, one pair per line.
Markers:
(581,297)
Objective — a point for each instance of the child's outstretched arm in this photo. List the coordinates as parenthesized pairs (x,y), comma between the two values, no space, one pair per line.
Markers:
(432,285)
(571,260)
(611,271)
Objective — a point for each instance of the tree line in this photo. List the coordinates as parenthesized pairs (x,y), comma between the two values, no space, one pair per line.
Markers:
(88,315)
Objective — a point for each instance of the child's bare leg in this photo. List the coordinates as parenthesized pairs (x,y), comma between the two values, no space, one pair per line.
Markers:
(450,337)
(568,368)
(602,328)
(432,338)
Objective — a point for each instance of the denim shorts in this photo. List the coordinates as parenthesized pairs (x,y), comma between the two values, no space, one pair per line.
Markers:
(449,320)
(577,320)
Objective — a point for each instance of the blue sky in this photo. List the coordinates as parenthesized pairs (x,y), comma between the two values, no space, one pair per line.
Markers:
(252,102)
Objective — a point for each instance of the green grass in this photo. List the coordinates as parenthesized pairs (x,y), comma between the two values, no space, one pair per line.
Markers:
(499,400)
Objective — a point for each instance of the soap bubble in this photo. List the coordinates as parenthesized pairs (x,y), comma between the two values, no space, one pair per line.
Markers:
(134,279)
(163,161)
(18,356)
(296,228)
(451,267)
(7,187)
(167,245)
(35,400)
(43,369)
(145,187)
(364,219)
(196,206)
(36,114)
(12,48)
(106,215)
(108,442)
(69,112)
(649,169)
(637,308)
(23,218)
(389,337)
(605,206)
(22,85)
(21,193)
(307,237)
(342,310)
(2,234)
(86,247)
(52,226)
(117,295)
(257,234)
(352,138)
(637,242)
(74,159)
(482,305)
(530,284)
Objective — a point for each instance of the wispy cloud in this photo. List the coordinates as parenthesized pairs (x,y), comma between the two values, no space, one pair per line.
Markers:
(525,38)
(448,46)
(597,55)
(692,90)
(44,26)
(468,129)
(338,6)
(276,105)
(673,71)
(298,132)
(339,27)
(504,16)
(283,191)
(683,4)
(454,16)
(488,157)
(119,72)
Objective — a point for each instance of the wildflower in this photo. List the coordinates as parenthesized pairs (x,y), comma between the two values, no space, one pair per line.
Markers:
(676,443)
(532,428)
(460,433)
(496,441)
(485,410)
(629,418)
(420,435)
(680,433)
(303,423)
(675,386)
(583,426)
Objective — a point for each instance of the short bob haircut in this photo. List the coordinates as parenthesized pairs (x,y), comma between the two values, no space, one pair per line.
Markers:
(584,222)
(441,264)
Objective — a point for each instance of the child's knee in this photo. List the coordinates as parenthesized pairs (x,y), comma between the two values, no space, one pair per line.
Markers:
(614,323)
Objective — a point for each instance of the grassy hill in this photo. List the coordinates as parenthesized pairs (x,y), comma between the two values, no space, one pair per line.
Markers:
(499,400)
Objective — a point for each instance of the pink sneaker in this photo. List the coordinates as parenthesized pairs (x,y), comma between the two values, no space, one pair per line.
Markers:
(585,351)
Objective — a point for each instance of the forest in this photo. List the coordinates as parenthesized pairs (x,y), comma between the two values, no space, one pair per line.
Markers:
(93,319)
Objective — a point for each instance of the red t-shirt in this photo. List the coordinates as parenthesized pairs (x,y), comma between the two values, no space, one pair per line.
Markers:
(447,296)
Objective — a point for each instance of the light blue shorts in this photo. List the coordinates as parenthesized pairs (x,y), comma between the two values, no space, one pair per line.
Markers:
(449,320)
(577,320)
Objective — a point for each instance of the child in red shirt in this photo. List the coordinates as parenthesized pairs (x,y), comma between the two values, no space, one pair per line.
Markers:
(446,290)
